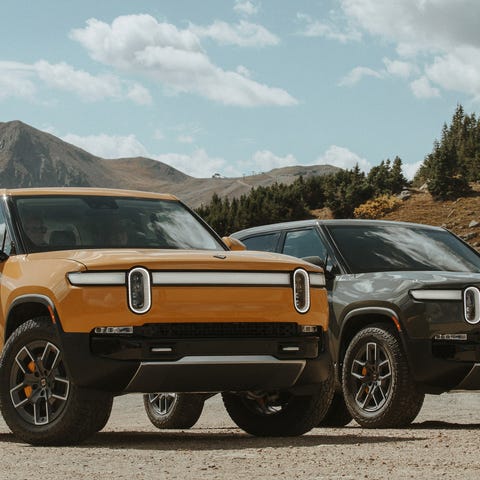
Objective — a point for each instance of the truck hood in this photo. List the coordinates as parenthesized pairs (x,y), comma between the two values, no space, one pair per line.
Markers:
(124,259)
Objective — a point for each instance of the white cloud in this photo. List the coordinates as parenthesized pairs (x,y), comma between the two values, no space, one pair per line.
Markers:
(410,169)
(21,79)
(441,35)
(243,34)
(265,160)
(139,94)
(459,70)
(15,80)
(356,74)
(197,164)
(89,87)
(245,7)
(343,158)
(141,45)
(422,88)
(400,68)
(328,29)
(108,146)
(185,139)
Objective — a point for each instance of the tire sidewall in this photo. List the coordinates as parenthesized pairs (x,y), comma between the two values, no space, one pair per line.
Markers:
(388,342)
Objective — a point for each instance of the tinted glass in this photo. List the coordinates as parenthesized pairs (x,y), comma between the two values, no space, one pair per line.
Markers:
(265,243)
(60,222)
(304,243)
(393,248)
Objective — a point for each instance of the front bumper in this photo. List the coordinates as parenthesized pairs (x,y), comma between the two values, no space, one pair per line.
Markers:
(137,364)
(440,366)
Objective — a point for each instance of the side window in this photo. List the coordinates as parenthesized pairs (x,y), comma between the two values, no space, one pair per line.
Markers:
(5,241)
(304,243)
(265,243)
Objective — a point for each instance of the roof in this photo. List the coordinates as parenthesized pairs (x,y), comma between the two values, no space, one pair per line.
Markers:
(108,192)
(308,223)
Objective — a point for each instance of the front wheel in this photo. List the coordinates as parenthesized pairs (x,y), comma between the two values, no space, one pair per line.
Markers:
(40,403)
(378,386)
(173,410)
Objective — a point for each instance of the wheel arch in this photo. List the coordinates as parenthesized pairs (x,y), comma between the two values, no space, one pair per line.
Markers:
(359,318)
(25,307)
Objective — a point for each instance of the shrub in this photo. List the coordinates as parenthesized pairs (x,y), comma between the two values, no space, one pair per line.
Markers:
(377,207)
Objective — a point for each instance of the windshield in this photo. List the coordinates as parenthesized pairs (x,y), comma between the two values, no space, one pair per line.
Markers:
(368,248)
(75,222)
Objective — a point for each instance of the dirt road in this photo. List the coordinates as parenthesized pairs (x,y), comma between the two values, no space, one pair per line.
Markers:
(442,443)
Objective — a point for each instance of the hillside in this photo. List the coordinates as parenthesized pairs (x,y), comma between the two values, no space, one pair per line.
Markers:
(461,216)
(32,158)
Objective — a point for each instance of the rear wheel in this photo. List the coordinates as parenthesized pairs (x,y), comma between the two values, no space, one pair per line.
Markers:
(278,414)
(377,384)
(173,410)
(39,402)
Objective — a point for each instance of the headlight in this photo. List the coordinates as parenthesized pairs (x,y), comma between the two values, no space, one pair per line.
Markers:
(301,290)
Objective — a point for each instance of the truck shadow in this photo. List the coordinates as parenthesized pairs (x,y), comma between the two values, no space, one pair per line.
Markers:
(193,441)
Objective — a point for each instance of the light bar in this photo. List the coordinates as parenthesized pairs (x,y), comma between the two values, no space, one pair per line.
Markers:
(317,279)
(221,278)
(97,278)
(436,294)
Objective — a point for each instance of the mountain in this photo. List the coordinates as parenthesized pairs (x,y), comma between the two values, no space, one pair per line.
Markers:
(33,158)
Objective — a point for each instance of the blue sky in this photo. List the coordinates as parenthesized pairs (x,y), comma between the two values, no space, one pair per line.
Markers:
(242,86)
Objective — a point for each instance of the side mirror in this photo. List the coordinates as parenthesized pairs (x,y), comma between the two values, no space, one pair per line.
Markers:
(316,261)
(233,244)
(319,262)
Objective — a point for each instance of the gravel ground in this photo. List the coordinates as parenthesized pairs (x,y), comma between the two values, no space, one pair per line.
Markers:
(442,443)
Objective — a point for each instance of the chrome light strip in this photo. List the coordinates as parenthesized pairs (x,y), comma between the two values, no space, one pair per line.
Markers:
(436,294)
(97,278)
(221,278)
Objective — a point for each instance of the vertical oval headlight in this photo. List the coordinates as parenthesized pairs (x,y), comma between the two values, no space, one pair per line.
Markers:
(471,305)
(139,297)
(301,290)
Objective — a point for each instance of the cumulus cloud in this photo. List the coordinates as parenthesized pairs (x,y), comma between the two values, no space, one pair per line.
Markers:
(245,7)
(265,160)
(20,79)
(410,169)
(197,164)
(398,68)
(15,80)
(343,158)
(243,34)
(356,74)
(174,57)
(200,164)
(328,29)
(440,35)
(422,88)
(108,146)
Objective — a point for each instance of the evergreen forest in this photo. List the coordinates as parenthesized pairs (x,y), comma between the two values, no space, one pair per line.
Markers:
(447,171)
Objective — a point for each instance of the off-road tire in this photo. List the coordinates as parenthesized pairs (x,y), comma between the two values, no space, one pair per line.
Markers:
(78,413)
(295,414)
(337,414)
(178,411)
(392,399)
